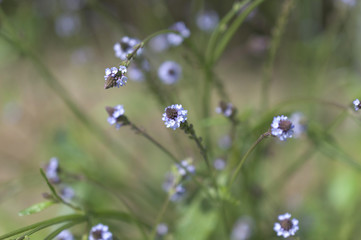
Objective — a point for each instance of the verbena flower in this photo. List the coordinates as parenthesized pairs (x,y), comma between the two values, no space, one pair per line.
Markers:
(125,47)
(282,128)
(135,73)
(299,122)
(100,232)
(356,104)
(174,115)
(116,116)
(177,193)
(242,229)
(186,167)
(176,39)
(52,170)
(350,3)
(159,43)
(226,109)
(207,20)
(162,229)
(286,227)
(169,72)
(65,235)
(225,142)
(67,193)
(115,77)
(219,164)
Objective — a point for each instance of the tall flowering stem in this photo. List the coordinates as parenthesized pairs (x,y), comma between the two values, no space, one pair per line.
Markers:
(188,129)
(264,135)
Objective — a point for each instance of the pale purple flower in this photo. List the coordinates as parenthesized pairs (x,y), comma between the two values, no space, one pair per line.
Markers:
(282,128)
(225,142)
(125,47)
(67,193)
(65,235)
(226,109)
(185,167)
(174,115)
(162,229)
(242,229)
(350,3)
(159,43)
(286,227)
(169,72)
(115,77)
(356,104)
(219,164)
(207,20)
(115,115)
(67,25)
(176,39)
(135,73)
(52,170)
(177,193)
(299,122)
(100,232)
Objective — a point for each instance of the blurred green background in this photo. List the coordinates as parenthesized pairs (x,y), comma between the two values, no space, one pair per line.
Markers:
(318,58)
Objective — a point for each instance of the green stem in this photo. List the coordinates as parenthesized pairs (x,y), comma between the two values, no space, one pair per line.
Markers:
(159,218)
(277,34)
(47,223)
(266,134)
(52,235)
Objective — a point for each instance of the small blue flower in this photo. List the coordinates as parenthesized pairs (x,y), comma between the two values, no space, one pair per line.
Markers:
(219,164)
(176,39)
(282,128)
(52,170)
(207,20)
(114,77)
(115,114)
(299,122)
(174,115)
(286,227)
(65,235)
(185,167)
(100,232)
(226,109)
(169,72)
(356,104)
(178,193)
(159,43)
(67,193)
(125,47)
(162,229)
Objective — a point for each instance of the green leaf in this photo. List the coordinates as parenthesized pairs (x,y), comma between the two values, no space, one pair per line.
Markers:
(196,222)
(36,208)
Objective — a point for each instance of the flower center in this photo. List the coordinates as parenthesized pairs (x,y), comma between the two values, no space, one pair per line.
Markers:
(286,224)
(285,125)
(97,234)
(171,72)
(110,111)
(171,113)
(125,46)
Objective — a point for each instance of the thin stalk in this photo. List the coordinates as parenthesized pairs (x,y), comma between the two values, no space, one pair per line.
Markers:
(264,135)
(277,34)
(159,218)
(52,235)
(50,222)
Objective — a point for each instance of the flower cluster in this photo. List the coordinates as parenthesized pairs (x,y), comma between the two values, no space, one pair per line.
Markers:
(286,227)
(176,39)
(185,167)
(356,104)
(227,109)
(207,20)
(100,232)
(116,116)
(174,115)
(52,170)
(115,77)
(126,46)
(282,128)
(169,72)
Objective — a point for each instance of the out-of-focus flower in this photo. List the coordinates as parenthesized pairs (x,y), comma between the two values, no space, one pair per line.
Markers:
(135,73)
(67,193)
(67,25)
(176,39)
(100,232)
(219,164)
(125,47)
(350,3)
(162,229)
(257,45)
(207,20)
(286,227)
(226,109)
(52,170)
(116,116)
(242,229)
(282,128)
(169,72)
(159,43)
(225,142)
(115,77)
(356,104)
(65,235)
(299,122)
(186,167)
(177,193)
(174,115)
